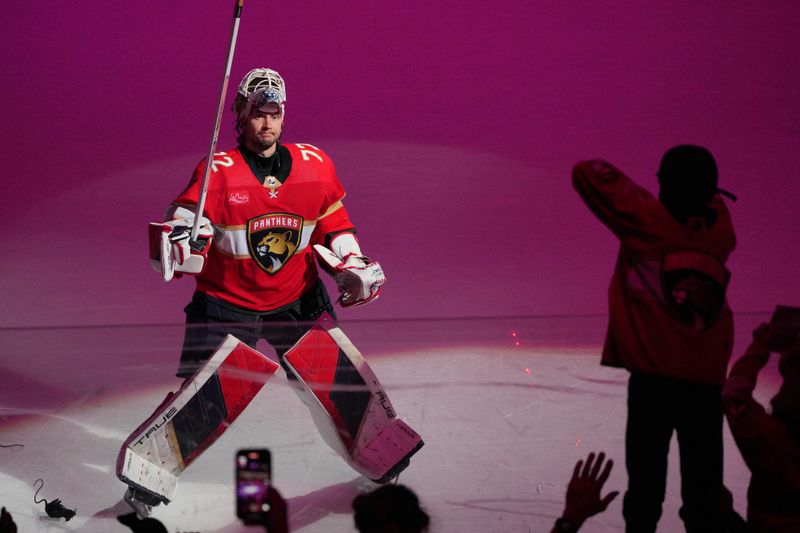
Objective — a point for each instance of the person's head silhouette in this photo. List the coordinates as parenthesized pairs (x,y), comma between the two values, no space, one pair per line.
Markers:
(688,179)
(389,509)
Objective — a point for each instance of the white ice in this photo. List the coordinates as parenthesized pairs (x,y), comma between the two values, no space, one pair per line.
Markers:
(505,406)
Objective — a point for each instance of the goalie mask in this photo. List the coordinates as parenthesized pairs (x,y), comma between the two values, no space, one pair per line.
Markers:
(262,89)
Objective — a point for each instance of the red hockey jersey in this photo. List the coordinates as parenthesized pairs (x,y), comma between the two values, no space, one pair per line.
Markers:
(261,258)
(668,314)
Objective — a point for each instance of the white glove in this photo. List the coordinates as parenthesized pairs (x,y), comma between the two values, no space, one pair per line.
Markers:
(172,251)
(359,278)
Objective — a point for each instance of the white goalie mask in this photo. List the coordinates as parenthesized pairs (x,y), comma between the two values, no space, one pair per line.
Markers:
(262,89)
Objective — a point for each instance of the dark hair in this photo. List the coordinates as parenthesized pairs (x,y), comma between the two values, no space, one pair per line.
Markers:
(389,508)
(688,174)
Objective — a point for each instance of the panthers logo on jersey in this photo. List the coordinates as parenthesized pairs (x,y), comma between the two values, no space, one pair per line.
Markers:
(273,239)
(694,286)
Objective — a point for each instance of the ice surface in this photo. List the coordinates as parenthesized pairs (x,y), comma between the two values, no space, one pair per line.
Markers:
(506,407)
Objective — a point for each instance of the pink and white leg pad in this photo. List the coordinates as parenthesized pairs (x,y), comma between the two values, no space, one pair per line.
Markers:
(348,404)
(188,421)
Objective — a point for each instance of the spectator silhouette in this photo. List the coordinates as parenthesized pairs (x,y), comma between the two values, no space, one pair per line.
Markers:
(141,525)
(396,508)
(769,443)
(583,493)
(7,524)
(670,326)
(277,519)
(389,509)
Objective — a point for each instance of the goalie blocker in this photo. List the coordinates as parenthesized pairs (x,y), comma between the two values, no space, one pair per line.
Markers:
(173,252)
(348,404)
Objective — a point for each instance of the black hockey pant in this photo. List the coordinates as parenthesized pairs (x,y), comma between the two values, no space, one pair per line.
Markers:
(209,320)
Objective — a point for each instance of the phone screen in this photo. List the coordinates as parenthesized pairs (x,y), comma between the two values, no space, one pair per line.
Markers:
(253,476)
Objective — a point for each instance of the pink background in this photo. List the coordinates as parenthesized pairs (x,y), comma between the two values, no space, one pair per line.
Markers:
(454,126)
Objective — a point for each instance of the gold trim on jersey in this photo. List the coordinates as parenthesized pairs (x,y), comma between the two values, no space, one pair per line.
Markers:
(332,209)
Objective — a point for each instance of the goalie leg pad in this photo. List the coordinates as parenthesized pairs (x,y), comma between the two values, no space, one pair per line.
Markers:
(348,404)
(188,421)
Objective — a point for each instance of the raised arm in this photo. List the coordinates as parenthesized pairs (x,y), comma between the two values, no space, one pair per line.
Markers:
(613,197)
(763,440)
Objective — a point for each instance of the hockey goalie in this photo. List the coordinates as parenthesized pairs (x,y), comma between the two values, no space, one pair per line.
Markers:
(250,228)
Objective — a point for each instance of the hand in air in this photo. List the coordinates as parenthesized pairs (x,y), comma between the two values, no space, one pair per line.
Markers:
(583,492)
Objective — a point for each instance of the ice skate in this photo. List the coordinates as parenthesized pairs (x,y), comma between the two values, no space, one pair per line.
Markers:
(394,473)
(141,502)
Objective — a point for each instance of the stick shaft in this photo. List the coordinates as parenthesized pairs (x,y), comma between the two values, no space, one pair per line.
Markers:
(201,201)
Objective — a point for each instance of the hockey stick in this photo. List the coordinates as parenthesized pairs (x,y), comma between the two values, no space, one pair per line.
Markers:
(201,201)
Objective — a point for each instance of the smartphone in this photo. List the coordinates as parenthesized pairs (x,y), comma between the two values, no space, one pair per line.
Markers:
(253,476)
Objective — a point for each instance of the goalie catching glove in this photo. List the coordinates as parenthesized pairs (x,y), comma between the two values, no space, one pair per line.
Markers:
(359,278)
(173,251)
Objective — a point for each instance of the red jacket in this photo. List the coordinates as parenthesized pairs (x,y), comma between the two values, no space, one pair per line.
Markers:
(768,449)
(668,314)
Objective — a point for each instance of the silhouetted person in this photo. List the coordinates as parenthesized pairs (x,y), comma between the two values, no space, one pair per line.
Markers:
(769,443)
(7,524)
(389,509)
(583,493)
(669,325)
(277,519)
(141,525)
